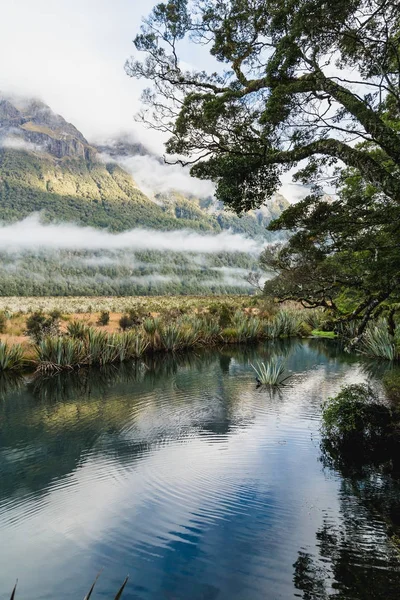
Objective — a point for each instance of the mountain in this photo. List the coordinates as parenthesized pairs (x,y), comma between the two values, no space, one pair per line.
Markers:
(47,166)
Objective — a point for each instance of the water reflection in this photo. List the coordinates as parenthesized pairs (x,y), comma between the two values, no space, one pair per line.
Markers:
(177,471)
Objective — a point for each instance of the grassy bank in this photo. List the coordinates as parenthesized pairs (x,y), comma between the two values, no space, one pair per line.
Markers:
(54,341)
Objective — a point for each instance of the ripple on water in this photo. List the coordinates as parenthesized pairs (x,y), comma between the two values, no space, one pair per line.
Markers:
(198,484)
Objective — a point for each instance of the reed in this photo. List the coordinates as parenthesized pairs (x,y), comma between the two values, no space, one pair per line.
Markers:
(11,357)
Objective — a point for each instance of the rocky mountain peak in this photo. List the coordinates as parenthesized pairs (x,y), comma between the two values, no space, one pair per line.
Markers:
(34,122)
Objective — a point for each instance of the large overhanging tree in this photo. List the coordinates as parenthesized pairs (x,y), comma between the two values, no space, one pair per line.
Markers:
(296,80)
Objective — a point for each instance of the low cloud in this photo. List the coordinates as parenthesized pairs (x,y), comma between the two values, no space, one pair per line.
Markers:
(31,234)
(155,177)
(17,143)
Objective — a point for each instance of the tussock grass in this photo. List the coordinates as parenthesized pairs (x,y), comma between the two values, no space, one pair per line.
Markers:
(270,373)
(378,342)
(175,330)
(11,357)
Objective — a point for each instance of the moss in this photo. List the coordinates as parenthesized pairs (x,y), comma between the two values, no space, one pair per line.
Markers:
(324,334)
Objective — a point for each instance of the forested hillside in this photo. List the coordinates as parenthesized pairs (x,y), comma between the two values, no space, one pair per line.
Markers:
(48,167)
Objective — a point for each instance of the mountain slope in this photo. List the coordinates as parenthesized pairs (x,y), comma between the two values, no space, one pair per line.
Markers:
(47,165)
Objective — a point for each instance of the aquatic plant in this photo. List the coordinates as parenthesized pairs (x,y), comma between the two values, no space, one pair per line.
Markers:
(11,357)
(270,373)
(88,595)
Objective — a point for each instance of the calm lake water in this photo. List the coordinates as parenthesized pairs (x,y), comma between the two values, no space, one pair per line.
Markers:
(188,478)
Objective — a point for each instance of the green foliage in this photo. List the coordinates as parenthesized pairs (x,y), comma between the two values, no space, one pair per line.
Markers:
(270,373)
(378,342)
(77,329)
(324,334)
(11,357)
(59,352)
(126,322)
(285,324)
(3,322)
(270,110)
(224,316)
(104,317)
(39,326)
(355,416)
(391,383)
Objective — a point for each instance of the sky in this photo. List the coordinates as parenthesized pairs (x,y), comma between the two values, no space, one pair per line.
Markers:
(71,54)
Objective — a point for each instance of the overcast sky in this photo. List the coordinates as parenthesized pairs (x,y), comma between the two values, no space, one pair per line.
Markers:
(71,54)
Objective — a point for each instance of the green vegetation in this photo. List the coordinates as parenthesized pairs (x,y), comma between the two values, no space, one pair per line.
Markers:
(64,344)
(104,318)
(378,342)
(354,416)
(11,357)
(123,273)
(100,195)
(391,383)
(359,431)
(323,334)
(270,373)
(269,113)
(39,325)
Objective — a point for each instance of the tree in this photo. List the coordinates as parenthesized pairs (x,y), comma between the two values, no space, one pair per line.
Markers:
(344,256)
(294,80)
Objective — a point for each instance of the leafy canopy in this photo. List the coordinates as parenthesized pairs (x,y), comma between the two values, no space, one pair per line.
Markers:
(294,80)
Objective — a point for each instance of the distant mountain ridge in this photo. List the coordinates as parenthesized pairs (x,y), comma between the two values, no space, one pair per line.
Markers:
(48,166)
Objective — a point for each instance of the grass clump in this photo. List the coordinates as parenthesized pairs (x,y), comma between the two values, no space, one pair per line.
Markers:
(378,343)
(270,373)
(58,353)
(77,329)
(11,357)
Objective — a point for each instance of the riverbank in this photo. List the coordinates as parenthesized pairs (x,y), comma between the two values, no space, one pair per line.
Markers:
(54,341)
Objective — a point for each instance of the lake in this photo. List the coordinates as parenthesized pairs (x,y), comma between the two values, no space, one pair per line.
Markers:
(184,475)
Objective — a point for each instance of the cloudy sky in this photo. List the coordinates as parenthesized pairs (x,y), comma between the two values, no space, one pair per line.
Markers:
(71,54)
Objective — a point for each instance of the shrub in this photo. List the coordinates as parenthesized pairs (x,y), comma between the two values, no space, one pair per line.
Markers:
(355,417)
(229,335)
(125,322)
(305,329)
(39,326)
(391,383)
(104,318)
(3,321)
(224,316)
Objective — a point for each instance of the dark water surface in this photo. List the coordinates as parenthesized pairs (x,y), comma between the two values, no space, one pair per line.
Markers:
(189,479)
